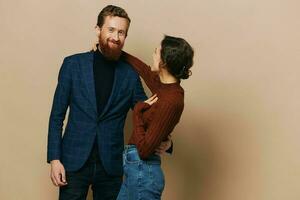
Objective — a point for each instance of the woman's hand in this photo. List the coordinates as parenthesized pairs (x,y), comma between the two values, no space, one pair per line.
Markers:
(164,146)
(152,100)
(141,106)
(94,47)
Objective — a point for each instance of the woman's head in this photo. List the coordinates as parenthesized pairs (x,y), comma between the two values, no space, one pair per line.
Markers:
(176,55)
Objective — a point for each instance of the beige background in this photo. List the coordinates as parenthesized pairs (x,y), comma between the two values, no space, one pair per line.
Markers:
(239,135)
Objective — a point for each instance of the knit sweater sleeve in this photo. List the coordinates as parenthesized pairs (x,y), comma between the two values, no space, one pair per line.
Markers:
(163,123)
(151,79)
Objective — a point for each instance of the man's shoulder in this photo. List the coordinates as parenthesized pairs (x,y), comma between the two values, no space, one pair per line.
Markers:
(128,68)
(79,56)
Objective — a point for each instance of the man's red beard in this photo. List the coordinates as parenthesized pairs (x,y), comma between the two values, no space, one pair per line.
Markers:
(111,53)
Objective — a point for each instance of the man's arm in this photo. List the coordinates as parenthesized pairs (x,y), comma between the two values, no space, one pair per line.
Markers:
(138,93)
(59,108)
(60,105)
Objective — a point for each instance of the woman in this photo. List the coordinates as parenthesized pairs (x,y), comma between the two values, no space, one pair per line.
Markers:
(155,119)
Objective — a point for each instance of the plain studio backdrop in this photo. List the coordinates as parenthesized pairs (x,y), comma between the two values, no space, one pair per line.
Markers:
(238,138)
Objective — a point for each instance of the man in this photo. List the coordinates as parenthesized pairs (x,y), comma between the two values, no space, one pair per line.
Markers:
(99,88)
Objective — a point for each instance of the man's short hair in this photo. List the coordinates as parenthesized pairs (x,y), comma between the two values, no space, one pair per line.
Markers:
(113,11)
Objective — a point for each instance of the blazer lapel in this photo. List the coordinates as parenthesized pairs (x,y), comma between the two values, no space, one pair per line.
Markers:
(88,73)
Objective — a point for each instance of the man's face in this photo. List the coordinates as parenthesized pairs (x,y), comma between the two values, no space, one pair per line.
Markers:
(112,36)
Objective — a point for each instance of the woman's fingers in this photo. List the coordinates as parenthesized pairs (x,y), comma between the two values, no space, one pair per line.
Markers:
(152,99)
(94,48)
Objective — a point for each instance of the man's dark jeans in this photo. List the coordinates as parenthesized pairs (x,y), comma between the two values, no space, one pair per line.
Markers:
(104,187)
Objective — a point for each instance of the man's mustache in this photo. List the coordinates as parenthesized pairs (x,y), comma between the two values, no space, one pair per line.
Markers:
(114,41)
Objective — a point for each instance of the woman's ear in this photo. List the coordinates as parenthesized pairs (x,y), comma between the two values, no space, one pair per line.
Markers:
(162,65)
(97,30)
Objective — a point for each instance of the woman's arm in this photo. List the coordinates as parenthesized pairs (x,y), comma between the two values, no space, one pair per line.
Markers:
(163,123)
(151,79)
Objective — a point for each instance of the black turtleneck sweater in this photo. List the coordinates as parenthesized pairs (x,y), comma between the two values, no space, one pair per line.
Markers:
(104,71)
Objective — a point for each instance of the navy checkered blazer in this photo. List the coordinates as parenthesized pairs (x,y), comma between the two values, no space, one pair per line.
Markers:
(76,90)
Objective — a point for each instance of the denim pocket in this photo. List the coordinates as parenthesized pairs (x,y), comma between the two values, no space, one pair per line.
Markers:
(132,157)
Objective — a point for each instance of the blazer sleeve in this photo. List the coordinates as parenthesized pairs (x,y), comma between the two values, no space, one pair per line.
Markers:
(60,105)
(138,93)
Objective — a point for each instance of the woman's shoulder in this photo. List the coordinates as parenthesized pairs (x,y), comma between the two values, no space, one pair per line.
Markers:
(172,100)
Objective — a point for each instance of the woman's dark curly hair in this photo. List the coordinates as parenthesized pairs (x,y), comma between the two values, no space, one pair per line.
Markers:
(177,56)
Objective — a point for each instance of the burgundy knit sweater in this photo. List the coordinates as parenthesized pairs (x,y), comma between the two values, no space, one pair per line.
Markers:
(153,124)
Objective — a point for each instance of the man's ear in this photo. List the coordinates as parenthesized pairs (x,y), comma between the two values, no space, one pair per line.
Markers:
(97,30)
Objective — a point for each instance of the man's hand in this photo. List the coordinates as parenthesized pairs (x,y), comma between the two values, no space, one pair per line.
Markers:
(58,173)
(164,146)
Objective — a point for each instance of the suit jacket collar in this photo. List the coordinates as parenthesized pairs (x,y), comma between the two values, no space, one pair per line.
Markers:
(90,84)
